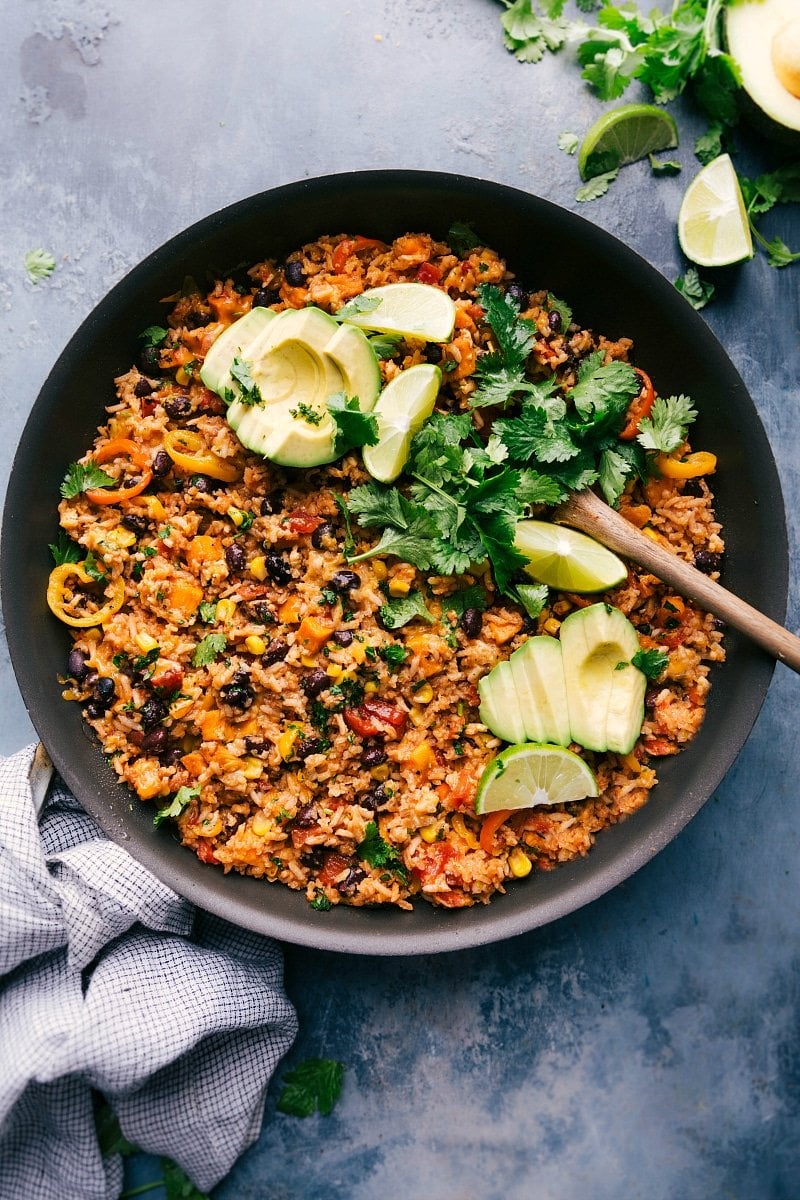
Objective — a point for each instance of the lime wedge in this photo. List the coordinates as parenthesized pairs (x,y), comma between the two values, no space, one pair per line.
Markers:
(415,310)
(624,135)
(531,774)
(713,229)
(402,409)
(567,560)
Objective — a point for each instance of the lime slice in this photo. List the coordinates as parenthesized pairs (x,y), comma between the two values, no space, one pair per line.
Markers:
(402,409)
(624,135)
(567,560)
(415,310)
(713,229)
(531,774)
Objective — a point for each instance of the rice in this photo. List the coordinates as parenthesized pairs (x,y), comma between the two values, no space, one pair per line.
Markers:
(268,709)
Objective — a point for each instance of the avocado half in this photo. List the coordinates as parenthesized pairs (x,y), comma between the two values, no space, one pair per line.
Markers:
(763,38)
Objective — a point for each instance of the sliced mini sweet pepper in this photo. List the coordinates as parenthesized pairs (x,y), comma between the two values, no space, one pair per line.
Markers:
(187,449)
(62,599)
(126,449)
(702,462)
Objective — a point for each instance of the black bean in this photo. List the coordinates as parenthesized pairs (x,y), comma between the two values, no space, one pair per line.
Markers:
(650,696)
(137,525)
(152,713)
(375,798)
(255,745)
(517,292)
(434,353)
(196,320)
(349,885)
(294,274)
(161,464)
(178,406)
(345,581)
(315,682)
(306,816)
(706,561)
(264,297)
(76,665)
(171,756)
(307,746)
(239,692)
(554,320)
(261,612)
(718,625)
(693,487)
(143,387)
(529,624)
(155,742)
(202,484)
(343,637)
(276,651)
(471,622)
(278,569)
(272,503)
(94,710)
(313,857)
(235,557)
(322,534)
(373,756)
(91,679)
(105,689)
(149,358)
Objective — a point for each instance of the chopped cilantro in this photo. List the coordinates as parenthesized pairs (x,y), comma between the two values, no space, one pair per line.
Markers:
(393,654)
(320,902)
(399,610)
(378,853)
(173,810)
(353,427)
(665,429)
(209,649)
(39,264)
(462,238)
(694,289)
(94,569)
(65,550)
(650,662)
(359,304)
(80,477)
(154,335)
(248,388)
(312,1086)
(304,412)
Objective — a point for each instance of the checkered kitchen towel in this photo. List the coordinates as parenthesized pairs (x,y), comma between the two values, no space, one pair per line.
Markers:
(109,981)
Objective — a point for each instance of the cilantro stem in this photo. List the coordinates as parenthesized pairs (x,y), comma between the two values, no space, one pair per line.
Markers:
(141,1189)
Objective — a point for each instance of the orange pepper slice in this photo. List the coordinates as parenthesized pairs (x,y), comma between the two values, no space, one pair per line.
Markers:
(702,462)
(121,448)
(59,596)
(187,449)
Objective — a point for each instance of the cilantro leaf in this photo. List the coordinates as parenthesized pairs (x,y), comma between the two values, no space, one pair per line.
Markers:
(39,264)
(533,597)
(694,289)
(312,1086)
(65,550)
(709,145)
(179,802)
(154,335)
(353,427)
(359,304)
(94,570)
(209,649)
(399,610)
(320,903)
(408,530)
(562,308)
(473,596)
(596,187)
(177,1184)
(378,853)
(604,390)
(665,429)
(778,253)
(385,345)
(501,373)
(535,434)
(249,392)
(664,166)
(207,612)
(529,33)
(539,489)
(80,477)
(650,662)
(462,238)
(568,142)
(614,472)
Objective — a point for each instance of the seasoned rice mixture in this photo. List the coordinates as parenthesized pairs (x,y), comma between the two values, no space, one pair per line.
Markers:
(242,677)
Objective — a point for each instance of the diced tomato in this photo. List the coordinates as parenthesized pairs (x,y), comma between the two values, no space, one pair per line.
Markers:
(455,899)
(428,273)
(371,717)
(659,747)
(301,836)
(148,405)
(168,680)
(333,867)
(351,246)
(205,852)
(301,521)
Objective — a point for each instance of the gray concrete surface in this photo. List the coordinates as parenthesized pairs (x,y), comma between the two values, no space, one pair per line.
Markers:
(646,1047)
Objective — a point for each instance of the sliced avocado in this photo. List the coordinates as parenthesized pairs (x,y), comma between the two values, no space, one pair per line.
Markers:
(538,672)
(500,708)
(350,350)
(236,339)
(763,38)
(605,693)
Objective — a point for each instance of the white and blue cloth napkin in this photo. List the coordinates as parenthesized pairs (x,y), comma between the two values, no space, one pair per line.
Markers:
(111,983)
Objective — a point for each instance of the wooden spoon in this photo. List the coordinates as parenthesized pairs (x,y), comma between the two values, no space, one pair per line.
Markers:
(590,514)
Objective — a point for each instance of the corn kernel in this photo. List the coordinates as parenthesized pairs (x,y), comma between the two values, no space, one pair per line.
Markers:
(464,832)
(551,626)
(416,717)
(380,772)
(155,508)
(379,569)
(358,652)
(182,377)
(119,538)
(70,694)
(429,833)
(255,644)
(423,695)
(370,686)
(286,743)
(260,824)
(258,568)
(519,863)
(399,587)
(225,610)
(632,763)
(307,661)
(334,671)
(145,642)
(92,635)
(211,826)
(236,515)
(252,768)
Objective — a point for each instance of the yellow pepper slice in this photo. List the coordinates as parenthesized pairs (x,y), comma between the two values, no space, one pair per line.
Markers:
(700,463)
(187,449)
(59,595)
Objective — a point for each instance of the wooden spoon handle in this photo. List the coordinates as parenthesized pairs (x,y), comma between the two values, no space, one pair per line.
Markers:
(590,514)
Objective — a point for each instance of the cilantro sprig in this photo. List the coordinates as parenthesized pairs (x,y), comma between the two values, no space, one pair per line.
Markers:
(80,477)
(760,196)
(312,1086)
(354,428)
(376,851)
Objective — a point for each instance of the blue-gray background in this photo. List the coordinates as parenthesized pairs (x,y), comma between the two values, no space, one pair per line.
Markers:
(646,1046)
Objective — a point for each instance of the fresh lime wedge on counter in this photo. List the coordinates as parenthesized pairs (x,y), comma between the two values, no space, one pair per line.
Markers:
(415,310)
(567,560)
(624,135)
(530,774)
(402,408)
(713,229)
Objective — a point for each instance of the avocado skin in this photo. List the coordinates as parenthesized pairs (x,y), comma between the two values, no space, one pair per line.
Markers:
(749,42)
